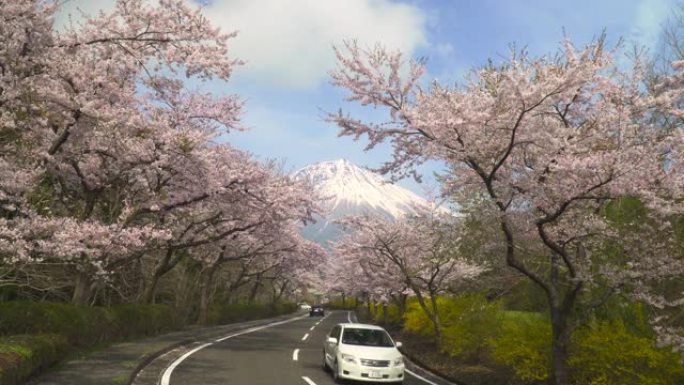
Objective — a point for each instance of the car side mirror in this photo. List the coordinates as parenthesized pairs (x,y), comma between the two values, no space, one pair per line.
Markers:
(398,344)
(332,340)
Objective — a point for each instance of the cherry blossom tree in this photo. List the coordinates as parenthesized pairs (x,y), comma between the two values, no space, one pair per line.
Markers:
(548,142)
(108,158)
(76,127)
(416,254)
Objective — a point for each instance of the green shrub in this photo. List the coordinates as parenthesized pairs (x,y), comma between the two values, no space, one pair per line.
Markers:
(607,353)
(81,325)
(143,320)
(416,321)
(467,322)
(524,345)
(284,308)
(223,313)
(632,314)
(347,304)
(525,295)
(388,314)
(85,326)
(23,355)
(617,348)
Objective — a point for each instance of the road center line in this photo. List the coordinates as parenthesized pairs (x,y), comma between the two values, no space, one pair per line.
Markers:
(349,316)
(312,328)
(166,377)
(305,337)
(308,380)
(418,376)
(295,355)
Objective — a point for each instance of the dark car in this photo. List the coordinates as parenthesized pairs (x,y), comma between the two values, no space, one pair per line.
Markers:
(316,310)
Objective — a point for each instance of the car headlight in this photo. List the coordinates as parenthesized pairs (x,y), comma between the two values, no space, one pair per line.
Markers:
(348,358)
(398,361)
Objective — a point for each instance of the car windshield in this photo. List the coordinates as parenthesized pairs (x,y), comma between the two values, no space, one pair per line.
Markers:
(366,337)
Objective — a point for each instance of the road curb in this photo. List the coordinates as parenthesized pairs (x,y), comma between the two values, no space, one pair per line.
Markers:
(148,358)
(420,367)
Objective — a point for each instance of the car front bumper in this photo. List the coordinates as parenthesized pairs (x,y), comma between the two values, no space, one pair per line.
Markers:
(353,371)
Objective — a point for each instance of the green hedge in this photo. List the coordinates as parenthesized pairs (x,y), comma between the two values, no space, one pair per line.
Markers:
(22,355)
(85,326)
(339,304)
(224,313)
(37,334)
(143,320)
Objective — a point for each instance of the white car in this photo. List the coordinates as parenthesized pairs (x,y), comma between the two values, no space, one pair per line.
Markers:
(304,306)
(362,352)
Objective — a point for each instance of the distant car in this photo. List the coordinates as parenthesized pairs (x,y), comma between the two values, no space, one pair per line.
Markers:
(316,310)
(304,306)
(362,352)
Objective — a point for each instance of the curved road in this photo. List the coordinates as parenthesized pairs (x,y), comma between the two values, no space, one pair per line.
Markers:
(287,353)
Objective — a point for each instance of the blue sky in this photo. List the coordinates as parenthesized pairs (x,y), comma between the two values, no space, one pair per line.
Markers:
(287,46)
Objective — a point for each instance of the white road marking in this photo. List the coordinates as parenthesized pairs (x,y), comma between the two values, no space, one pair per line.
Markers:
(166,377)
(308,380)
(418,376)
(349,316)
(295,355)
(312,328)
(305,337)
(167,373)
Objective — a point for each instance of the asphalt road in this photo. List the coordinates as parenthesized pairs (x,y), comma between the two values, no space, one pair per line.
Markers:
(288,353)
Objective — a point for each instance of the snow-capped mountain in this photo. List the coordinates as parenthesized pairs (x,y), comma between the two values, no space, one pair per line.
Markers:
(351,190)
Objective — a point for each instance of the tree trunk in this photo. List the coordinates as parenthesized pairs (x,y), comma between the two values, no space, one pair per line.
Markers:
(150,291)
(255,288)
(560,342)
(206,280)
(368,305)
(402,304)
(431,311)
(281,291)
(435,318)
(161,268)
(561,308)
(384,313)
(82,290)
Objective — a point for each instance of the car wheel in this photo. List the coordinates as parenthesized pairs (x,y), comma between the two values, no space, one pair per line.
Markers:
(326,368)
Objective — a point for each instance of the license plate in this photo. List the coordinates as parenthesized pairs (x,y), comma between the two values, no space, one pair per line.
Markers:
(375,374)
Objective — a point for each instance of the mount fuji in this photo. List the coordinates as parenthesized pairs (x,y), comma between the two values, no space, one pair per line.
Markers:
(350,190)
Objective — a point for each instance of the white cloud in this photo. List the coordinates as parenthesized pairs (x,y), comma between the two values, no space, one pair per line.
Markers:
(444,49)
(649,19)
(289,43)
(75,8)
